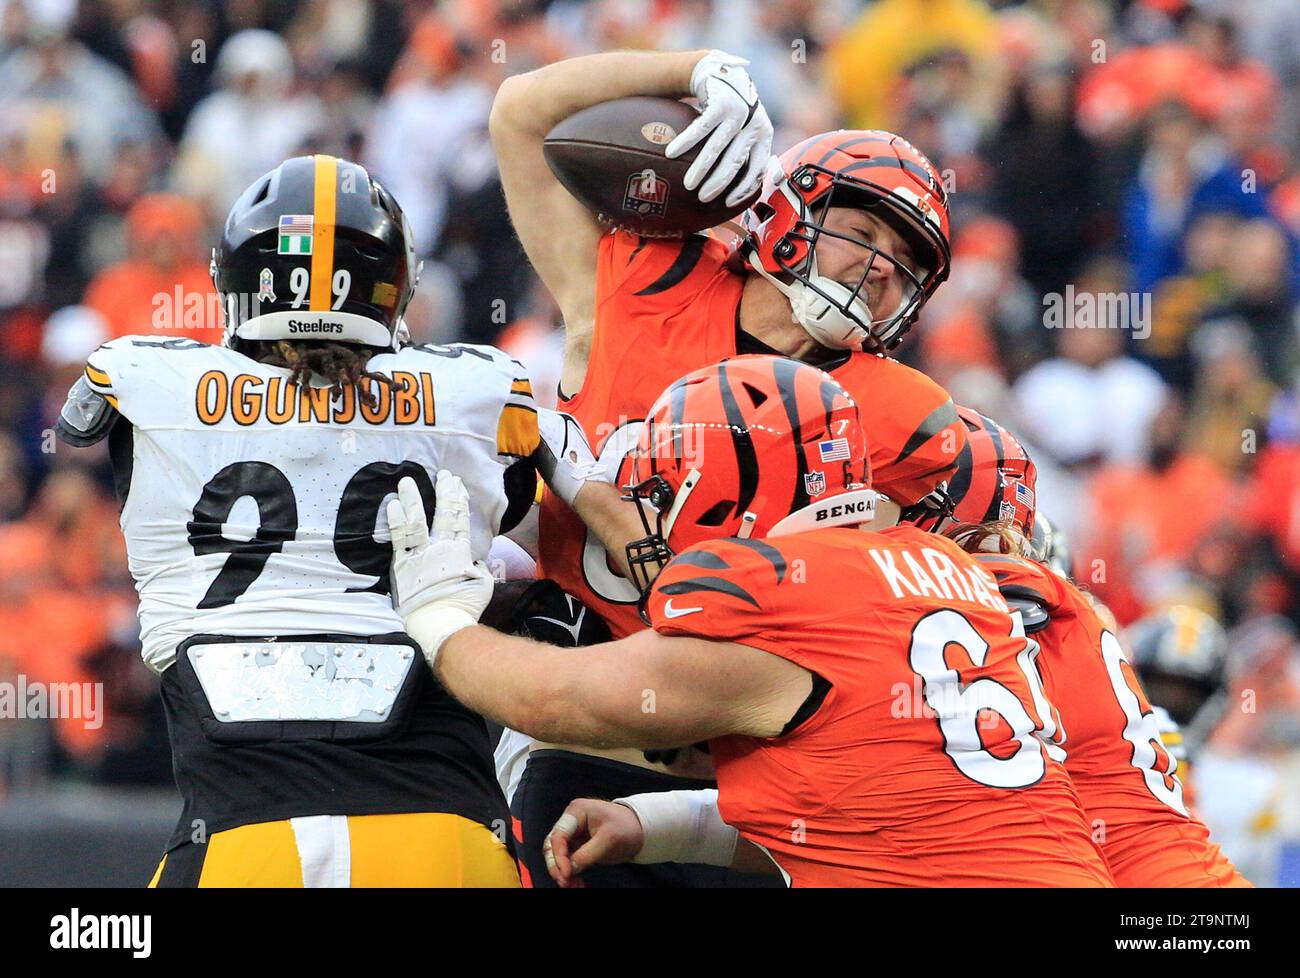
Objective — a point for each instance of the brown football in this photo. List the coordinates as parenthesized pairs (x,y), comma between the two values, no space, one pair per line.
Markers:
(611,157)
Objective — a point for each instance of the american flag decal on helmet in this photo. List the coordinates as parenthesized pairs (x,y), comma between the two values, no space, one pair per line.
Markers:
(296,234)
(1024,495)
(834,450)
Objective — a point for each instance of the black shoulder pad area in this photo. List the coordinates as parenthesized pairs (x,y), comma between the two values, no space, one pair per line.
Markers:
(1030,604)
(86,418)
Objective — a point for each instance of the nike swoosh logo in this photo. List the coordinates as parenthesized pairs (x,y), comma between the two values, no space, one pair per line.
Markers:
(573,628)
(672,612)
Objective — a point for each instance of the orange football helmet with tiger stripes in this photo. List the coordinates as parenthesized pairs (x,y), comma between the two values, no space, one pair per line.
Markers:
(877,171)
(995,481)
(750,447)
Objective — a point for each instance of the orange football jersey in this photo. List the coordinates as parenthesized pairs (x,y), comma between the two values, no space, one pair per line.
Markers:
(916,762)
(667,307)
(1121,769)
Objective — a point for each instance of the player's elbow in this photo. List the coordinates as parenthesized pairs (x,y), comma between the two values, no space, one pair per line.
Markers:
(511,114)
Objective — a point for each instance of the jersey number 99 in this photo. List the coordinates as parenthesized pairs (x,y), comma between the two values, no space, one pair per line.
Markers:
(355,545)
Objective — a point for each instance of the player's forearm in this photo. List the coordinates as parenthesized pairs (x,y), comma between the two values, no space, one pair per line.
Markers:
(614,521)
(536,101)
(530,687)
(496,675)
(598,695)
(685,826)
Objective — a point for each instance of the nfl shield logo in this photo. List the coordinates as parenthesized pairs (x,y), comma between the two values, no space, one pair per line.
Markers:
(814,483)
(647,194)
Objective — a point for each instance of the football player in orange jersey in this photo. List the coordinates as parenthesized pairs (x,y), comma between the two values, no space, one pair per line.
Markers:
(868,697)
(846,243)
(1115,754)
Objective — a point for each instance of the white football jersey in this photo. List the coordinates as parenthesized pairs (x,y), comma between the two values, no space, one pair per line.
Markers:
(256,508)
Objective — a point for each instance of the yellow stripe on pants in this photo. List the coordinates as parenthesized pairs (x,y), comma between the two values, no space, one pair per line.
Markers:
(426,849)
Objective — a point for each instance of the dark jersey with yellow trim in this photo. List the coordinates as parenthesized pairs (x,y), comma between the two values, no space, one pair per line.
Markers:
(665,308)
(254,509)
(435,757)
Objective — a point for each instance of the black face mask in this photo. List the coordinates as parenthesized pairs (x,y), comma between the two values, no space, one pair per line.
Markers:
(649,555)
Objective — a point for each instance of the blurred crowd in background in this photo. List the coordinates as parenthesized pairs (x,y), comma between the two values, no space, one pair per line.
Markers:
(1146,151)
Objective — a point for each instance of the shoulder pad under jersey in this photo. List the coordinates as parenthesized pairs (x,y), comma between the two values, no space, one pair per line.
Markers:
(87,416)
(1030,605)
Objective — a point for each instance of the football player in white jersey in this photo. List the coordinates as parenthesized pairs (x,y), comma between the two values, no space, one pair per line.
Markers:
(311,745)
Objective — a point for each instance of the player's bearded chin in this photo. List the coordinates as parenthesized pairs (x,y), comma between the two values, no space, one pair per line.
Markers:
(872,345)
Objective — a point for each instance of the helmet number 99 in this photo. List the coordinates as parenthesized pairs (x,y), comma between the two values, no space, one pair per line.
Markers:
(300,285)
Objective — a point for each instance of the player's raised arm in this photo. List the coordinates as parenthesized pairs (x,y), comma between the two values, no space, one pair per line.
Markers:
(558,233)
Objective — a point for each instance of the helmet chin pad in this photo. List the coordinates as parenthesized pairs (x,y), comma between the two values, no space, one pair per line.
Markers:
(834,315)
(823,319)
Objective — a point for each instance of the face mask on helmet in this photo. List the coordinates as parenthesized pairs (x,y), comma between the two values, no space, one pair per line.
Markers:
(785,226)
(837,314)
(1048,545)
(695,474)
(316,250)
(931,511)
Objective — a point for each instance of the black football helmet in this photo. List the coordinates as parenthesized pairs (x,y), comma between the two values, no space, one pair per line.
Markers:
(316,249)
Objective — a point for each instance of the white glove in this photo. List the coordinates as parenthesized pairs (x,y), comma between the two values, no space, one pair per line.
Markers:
(737,126)
(564,458)
(438,588)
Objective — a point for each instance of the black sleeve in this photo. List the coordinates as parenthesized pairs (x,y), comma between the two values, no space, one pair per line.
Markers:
(521,490)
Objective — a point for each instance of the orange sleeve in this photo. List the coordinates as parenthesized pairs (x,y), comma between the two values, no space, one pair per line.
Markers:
(749,592)
(1027,580)
(627,263)
(716,590)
